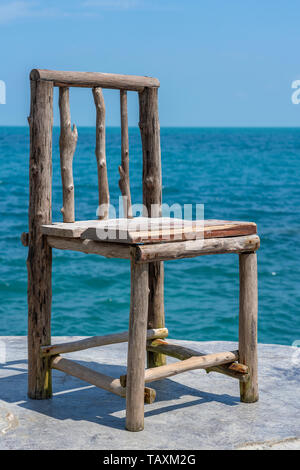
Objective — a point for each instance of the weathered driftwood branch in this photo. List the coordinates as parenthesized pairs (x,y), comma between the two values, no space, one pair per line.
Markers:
(94,79)
(109,250)
(235,370)
(189,249)
(124,182)
(67,145)
(150,135)
(39,261)
(101,155)
(96,378)
(152,199)
(201,362)
(97,341)
(248,325)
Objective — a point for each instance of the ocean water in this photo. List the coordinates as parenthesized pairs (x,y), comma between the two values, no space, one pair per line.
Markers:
(238,174)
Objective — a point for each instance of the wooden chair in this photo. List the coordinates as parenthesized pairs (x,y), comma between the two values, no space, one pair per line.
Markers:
(146,249)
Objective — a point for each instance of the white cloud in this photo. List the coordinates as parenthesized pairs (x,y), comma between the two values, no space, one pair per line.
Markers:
(20,9)
(15,10)
(114,4)
(122,5)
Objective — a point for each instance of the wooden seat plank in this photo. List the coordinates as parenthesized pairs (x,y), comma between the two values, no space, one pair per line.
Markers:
(142,230)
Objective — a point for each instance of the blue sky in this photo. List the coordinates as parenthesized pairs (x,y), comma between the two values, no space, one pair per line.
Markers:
(220,62)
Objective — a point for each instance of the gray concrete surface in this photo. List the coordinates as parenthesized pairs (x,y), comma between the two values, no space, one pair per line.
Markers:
(194,410)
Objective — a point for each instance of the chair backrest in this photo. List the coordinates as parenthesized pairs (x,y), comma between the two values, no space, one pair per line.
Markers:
(41,123)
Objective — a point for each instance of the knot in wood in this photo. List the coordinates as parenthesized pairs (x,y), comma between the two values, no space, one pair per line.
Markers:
(149,182)
(34,169)
(25,238)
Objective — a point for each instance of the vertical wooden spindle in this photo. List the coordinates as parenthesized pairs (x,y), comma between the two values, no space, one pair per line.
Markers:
(67,145)
(100,154)
(39,261)
(124,182)
(248,325)
(152,198)
(137,347)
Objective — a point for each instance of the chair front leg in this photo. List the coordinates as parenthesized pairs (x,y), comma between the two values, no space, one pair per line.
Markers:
(248,325)
(136,347)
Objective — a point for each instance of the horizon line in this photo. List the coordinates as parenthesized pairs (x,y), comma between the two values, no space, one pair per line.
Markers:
(172,127)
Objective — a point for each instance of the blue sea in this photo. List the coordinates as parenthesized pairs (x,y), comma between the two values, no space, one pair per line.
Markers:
(238,174)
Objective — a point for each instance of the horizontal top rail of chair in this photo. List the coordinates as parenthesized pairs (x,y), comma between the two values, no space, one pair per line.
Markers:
(106,249)
(194,248)
(143,230)
(95,79)
(96,341)
(158,251)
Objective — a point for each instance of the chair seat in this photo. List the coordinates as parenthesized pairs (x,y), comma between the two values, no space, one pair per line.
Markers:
(143,230)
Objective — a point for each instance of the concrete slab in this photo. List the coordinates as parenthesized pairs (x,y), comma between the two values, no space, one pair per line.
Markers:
(194,410)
